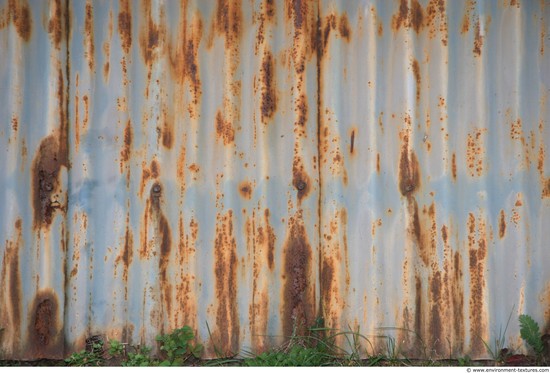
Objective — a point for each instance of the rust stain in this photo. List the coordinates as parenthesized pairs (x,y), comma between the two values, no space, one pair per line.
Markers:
(423,229)
(245,190)
(478,39)
(436,11)
(418,307)
(302,110)
(224,129)
(300,179)
(126,152)
(151,172)
(11,293)
(225,255)
(298,293)
(378,163)
(269,88)
(228,21)
(352,142)
(515,3)
(344,28)
(502,224)
(184,57)
(56,24)
(89,39)
(44,327)
(417,78)
(328,291)
(125,25)
(437,340)
(271,238)
(19,14)
(453,166)
(409,168)
(52,154)
(408,17)
(477,251)
(475,152)
(125,257)
(107,48)
(152,35)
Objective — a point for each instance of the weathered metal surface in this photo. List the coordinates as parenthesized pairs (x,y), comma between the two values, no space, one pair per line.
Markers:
(244,167)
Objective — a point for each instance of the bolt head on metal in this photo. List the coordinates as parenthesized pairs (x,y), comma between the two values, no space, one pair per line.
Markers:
(301,185)
(156,188)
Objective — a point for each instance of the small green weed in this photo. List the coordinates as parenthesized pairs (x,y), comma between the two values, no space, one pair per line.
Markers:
(92,357)
(178,346)
(530,333)
(140,358)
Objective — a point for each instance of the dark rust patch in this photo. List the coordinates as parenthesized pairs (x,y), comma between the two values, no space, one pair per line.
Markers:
(437,340)
(225,271)
(224,129)
(228,21)
(89,35)
(298,293)
(408,17)
(326,288)
(126,152)
(409,172)
(126,256)
(125,25)
(453,166)
(352,142)
(270,241)
(51,156)
(45,332)
(151,35)
(56,23)
(184,57)
(300,180)
(417,78)
(418,311)
(378,163)
(245,189)
(478,39)
(423,229)
(344,28)
(477,250)
(502,224)
(269,88)
(19,14)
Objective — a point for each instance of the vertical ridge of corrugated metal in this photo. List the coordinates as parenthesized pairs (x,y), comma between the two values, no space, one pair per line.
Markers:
(247,167)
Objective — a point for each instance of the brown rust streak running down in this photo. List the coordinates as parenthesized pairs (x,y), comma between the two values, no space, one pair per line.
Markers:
(11,293)
(19,14)
(298,294)
(227,333)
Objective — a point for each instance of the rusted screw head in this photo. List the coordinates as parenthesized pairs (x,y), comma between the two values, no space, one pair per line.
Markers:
(156,188)
(301,185)
(410,187)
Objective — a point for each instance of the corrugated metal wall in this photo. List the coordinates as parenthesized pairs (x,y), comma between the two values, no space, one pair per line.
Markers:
(244,167)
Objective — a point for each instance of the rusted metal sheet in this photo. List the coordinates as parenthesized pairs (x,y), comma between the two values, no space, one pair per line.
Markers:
(247,167)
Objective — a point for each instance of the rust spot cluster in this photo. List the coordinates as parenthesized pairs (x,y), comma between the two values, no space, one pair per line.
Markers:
(475,152)
(433,18)
(269,88)
(19,15)
(125,25)
(224,129)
